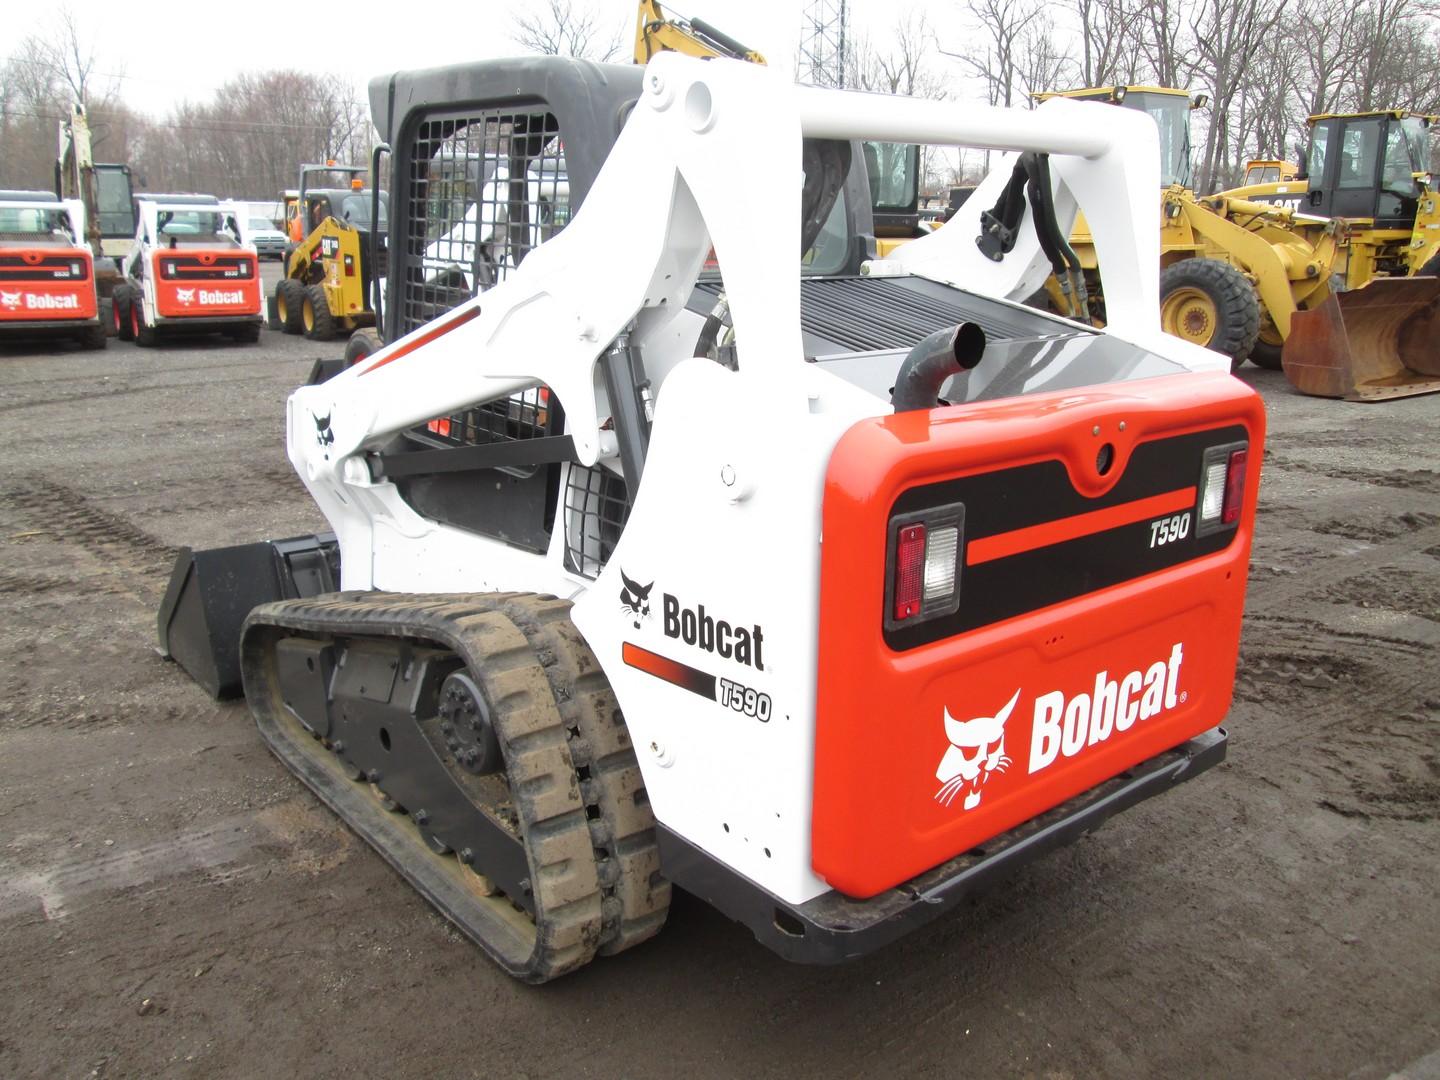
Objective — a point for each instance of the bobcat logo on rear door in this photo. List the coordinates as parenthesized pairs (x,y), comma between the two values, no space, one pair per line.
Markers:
(635,599)
(977,750)
(10,300)
(324,435)
(185,296)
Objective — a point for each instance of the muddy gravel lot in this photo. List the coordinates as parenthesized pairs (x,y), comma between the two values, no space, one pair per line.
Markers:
(173,903)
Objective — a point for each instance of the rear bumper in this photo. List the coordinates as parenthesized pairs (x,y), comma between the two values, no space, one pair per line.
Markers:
(43,327)
(199,321)
(832,928)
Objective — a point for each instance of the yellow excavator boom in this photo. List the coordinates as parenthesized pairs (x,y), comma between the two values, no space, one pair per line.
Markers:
(657,32)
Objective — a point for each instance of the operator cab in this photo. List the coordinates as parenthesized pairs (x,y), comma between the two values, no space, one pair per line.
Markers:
(45,222)
(1365,166)
(1169,108)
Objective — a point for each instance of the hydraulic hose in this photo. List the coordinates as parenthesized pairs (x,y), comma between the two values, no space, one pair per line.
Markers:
(942,354)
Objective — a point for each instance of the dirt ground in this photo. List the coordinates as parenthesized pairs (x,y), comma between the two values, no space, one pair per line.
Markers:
(173,903)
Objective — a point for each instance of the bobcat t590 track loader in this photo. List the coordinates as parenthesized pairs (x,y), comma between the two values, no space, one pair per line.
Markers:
(830,604)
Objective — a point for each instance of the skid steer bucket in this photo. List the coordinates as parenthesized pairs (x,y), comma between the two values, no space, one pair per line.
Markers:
(1371,344)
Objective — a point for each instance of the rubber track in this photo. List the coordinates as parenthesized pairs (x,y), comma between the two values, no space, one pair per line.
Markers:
(547,698)
(636,898)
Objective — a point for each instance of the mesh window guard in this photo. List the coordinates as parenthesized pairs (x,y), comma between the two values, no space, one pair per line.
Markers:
(597,504)
(484,189)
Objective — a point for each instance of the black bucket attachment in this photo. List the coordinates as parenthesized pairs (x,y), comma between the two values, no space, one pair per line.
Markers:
(211,592)
(325,370)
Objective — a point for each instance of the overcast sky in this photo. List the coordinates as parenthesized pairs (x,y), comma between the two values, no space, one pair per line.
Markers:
(163,51)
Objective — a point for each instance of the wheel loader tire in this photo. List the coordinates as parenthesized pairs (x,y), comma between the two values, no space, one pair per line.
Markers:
(381,703)
(1268,347)
(1266,355)
(1210,303)
(319,323)
(1431,267)
(362,343)
(120,302)
(289,301)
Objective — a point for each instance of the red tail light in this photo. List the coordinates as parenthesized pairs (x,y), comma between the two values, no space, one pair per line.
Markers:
(1234,487)
(909,570)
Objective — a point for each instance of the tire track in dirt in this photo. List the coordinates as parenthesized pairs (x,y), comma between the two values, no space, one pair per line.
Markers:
(304,839)
(108,393)
(133,561)
(1390,540)
(1363,706)
(1420,480)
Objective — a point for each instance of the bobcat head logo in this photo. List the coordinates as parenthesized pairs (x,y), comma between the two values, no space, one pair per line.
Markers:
(185,296)
(976,751)
(635,599)
(10,300)
(323,433)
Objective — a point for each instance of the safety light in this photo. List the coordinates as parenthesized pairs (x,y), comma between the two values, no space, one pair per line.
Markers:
(940,563)
(1222,488)
(1234,487)
(909,571)
(924,564)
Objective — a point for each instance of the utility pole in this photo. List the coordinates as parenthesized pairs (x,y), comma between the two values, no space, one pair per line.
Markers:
(823,45)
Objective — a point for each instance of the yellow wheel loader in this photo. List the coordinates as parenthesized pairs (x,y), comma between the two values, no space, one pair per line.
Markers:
(326,288)
(1375,342)
(1301,246)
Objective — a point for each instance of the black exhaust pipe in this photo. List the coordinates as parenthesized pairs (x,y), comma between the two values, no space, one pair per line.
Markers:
(944,353)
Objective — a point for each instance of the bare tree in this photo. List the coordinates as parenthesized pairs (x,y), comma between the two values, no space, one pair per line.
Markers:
(996,59)
(71,58)
(1226,35)
(1160,37)
(563,29)
(1042,64)
(1109,42)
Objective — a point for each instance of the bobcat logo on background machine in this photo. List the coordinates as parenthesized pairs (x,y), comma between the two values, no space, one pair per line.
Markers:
(977,749)
(185,296)
(635,599)
(10,300)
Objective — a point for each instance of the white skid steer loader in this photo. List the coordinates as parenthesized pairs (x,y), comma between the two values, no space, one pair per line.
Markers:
(830,601)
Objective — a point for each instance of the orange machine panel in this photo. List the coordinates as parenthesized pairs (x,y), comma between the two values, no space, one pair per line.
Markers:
(46,283)
(195,283)
(1097,622)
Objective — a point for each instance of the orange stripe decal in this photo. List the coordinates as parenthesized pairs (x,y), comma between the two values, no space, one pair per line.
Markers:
(424,339)
(1016,542)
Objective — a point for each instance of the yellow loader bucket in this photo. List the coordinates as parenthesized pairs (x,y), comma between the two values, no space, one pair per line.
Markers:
(1369,344)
